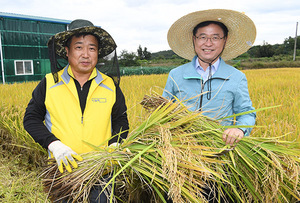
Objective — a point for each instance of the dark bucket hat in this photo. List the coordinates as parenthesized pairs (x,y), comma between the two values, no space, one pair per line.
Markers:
(106,43)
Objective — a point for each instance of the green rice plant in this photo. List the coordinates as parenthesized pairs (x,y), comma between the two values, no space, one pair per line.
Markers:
(180,153)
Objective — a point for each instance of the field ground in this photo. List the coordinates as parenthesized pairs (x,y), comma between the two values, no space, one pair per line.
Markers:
(267,87)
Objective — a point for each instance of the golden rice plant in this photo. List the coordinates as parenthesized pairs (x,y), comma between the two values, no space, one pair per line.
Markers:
(270,87)
(180,153)
(15,140)
(143,84)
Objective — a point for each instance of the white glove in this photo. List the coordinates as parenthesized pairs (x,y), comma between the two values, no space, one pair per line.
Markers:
(64,155)
(112,147)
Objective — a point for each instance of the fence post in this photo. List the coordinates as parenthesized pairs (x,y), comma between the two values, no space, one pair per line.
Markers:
(1,57)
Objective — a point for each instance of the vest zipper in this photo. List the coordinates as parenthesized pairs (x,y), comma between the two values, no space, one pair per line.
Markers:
(81,119)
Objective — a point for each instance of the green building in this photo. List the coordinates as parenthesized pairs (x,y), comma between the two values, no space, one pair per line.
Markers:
(23,46)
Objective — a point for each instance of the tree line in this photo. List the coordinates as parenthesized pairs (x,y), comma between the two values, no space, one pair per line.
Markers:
(134,59)
(142,55)
(268,50)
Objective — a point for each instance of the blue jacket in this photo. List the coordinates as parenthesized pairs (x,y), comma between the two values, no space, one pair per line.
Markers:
(229,93)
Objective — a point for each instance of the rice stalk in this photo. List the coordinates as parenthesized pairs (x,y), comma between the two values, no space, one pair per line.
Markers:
(16,140)
(179,153)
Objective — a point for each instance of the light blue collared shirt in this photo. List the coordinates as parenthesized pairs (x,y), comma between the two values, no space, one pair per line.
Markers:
(205,74)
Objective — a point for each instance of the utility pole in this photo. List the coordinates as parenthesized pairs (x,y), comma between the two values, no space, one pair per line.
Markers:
(295,46)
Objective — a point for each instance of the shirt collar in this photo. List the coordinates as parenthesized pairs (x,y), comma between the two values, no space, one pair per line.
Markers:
(190,71)
(214,66)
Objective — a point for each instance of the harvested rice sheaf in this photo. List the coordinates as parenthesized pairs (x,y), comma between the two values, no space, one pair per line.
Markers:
(179,154)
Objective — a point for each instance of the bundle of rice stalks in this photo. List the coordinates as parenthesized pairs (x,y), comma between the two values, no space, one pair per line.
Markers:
(180,155)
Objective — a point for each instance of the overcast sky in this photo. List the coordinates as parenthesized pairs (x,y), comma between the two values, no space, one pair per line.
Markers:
(146,22)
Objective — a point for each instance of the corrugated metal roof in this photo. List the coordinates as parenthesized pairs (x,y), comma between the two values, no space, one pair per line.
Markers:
(36,18)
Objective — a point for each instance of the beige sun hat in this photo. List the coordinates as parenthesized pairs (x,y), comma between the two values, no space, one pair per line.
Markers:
(241,32)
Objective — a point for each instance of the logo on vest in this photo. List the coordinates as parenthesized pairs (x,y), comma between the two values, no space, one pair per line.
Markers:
(100,100)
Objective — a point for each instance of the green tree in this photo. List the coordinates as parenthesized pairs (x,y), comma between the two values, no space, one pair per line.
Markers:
(289,44)
(143,54)
(266,50)
(140,52)
(128,58)
(279,49)
(146,54)
(253,51)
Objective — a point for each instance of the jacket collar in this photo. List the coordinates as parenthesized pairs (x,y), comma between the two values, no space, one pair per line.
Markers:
(190,72)
(67,74)
(224,71)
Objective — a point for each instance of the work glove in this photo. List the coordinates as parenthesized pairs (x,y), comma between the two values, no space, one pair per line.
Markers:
(112,147)
(64,155)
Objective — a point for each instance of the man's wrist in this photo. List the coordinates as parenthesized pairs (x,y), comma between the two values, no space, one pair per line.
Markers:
(243,130)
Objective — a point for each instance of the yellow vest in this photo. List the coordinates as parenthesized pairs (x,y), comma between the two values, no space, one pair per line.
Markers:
(63,113)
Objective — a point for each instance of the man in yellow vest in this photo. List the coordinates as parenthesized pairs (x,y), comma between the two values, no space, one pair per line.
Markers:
(77,102)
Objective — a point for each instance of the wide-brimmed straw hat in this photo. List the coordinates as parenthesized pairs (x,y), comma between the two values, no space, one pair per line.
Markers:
(241,32)
(106,43)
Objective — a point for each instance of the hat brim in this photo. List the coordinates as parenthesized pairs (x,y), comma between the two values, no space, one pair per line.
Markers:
(106,43)
(241,32)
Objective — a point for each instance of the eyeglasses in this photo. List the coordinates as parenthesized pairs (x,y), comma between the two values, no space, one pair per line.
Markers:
(214,39)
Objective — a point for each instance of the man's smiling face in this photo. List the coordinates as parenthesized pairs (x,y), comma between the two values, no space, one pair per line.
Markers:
(208,50)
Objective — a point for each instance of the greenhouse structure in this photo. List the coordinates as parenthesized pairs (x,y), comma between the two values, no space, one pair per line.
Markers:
(23,46)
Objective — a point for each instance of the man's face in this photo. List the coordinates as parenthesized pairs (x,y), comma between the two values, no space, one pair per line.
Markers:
(83,54)
(210,49)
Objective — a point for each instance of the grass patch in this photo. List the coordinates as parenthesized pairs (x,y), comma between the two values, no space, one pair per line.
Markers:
(17,183)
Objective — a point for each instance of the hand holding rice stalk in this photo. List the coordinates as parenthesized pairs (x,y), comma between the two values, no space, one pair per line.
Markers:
(179,153)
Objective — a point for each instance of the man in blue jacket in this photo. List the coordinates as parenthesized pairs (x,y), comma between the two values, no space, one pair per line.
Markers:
(208,38)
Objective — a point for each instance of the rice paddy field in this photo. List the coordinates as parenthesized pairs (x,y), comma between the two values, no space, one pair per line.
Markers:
(19,169)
